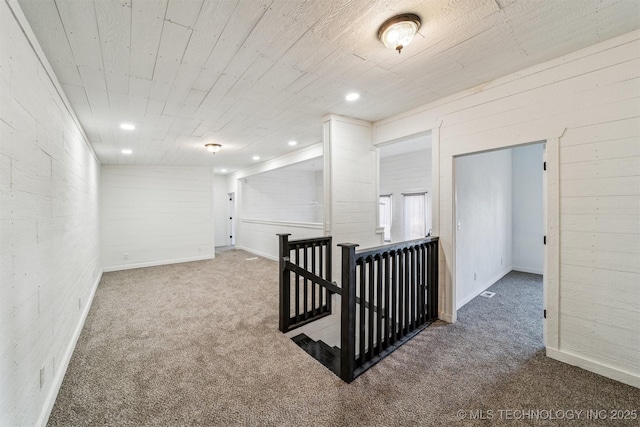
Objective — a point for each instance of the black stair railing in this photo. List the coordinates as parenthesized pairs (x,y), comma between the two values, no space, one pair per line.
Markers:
(389,294)
(305,272)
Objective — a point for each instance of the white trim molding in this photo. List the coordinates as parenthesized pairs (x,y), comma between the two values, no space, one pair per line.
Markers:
(50,400)
(596,367)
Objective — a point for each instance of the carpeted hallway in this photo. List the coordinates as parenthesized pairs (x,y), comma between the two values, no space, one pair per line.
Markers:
(197,344)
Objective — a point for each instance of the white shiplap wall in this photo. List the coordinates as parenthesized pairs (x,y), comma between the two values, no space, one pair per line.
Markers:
(286,194)
(259,236)
(351,184)
(49,227)
(587,106)
(156,215)
(404,173)
(282,200)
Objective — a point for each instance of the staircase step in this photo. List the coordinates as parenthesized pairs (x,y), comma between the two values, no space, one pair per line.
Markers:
(321,351)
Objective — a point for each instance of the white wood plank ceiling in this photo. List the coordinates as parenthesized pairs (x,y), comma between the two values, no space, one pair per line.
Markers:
(253,74)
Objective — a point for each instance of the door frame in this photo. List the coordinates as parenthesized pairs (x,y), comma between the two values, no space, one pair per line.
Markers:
(551,222)
(231,222)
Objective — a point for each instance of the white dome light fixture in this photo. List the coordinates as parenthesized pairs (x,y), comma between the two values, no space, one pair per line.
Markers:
(213,148)
(127,126)
(398,31)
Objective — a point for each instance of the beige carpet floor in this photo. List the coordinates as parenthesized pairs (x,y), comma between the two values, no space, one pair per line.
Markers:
(197,344)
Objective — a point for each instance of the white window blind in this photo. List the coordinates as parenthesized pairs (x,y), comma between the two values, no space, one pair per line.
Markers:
(416,213)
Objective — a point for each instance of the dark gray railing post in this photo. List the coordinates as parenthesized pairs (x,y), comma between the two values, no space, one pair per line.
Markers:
(328,271)
(285,283)
(434,281)
(348,308)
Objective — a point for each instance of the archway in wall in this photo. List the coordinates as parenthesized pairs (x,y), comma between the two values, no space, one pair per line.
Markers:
(405,188)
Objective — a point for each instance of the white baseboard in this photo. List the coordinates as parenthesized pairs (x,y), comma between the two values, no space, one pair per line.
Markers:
(595,367)
(445,317)
(486,286)
(527,270)
(156,263)
(255,252)
(50,400)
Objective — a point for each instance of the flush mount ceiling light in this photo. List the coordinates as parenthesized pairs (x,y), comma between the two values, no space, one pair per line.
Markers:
(127,126)
(126,151)
(398,31)
(256,157)
(213,148)
(292,143)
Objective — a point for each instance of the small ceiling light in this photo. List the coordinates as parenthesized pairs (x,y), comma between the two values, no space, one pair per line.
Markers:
(223,170)
(292,143)
(213,148)
(398,31)
(256,157)
(126,151)
(127,126)
(352,96)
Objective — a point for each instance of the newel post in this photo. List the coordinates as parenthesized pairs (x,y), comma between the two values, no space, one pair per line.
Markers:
(348,308)
(328,269)
(433,306)
(285,283)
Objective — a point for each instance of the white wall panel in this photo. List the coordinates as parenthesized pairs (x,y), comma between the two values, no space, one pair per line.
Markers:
(483,222)
(260,237)
(49,227)
(353,178)
(156,215)
(351,184)
(286,194)
(589,100)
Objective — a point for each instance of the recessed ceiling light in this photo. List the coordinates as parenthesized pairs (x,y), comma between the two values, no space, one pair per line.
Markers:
(126,151)
(352,96)
(292,143)
(223,170)
(256,157)
(127,126)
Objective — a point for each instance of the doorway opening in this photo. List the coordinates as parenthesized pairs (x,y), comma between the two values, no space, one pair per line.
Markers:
(500,223)
(231,225)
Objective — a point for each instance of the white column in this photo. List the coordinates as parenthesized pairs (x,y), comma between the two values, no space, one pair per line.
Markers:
(351,184)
